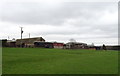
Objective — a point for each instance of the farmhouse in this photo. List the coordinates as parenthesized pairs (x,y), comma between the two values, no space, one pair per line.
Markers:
(28,42)
(76,45)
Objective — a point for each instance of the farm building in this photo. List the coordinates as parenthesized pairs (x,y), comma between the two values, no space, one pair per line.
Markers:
(28,42)
(75,45)
(58,45)
(115,47)
(43,44)
(11,43)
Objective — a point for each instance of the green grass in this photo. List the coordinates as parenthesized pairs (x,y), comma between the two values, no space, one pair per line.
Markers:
(58,61)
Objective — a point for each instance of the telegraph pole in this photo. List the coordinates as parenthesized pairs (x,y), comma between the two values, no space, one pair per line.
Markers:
(21,35)
(29,35)
(21,32)
(29,40)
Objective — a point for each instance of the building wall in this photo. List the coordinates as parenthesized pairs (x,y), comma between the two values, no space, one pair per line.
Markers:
(58,45)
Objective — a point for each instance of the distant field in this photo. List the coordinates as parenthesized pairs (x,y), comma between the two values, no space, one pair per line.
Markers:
(58,61)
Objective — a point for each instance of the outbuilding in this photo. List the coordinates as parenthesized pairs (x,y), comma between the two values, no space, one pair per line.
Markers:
(28,42)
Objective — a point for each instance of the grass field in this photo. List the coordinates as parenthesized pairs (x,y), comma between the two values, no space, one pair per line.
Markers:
(58,61)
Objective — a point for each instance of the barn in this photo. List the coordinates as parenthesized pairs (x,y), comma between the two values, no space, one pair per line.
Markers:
(28,42)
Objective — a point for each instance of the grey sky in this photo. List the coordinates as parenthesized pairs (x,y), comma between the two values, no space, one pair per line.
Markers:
(89,22)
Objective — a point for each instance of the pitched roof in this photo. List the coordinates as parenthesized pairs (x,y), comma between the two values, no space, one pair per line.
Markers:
(29,40)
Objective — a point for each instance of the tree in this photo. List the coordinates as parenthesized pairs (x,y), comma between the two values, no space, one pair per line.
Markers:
(13,39)
(72,40)
(92,44)
(104,47)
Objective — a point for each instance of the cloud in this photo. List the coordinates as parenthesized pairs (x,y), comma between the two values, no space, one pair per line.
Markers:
(38,13)
(60,20)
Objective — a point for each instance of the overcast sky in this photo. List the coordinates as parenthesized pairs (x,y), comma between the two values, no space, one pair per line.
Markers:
(56,20)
